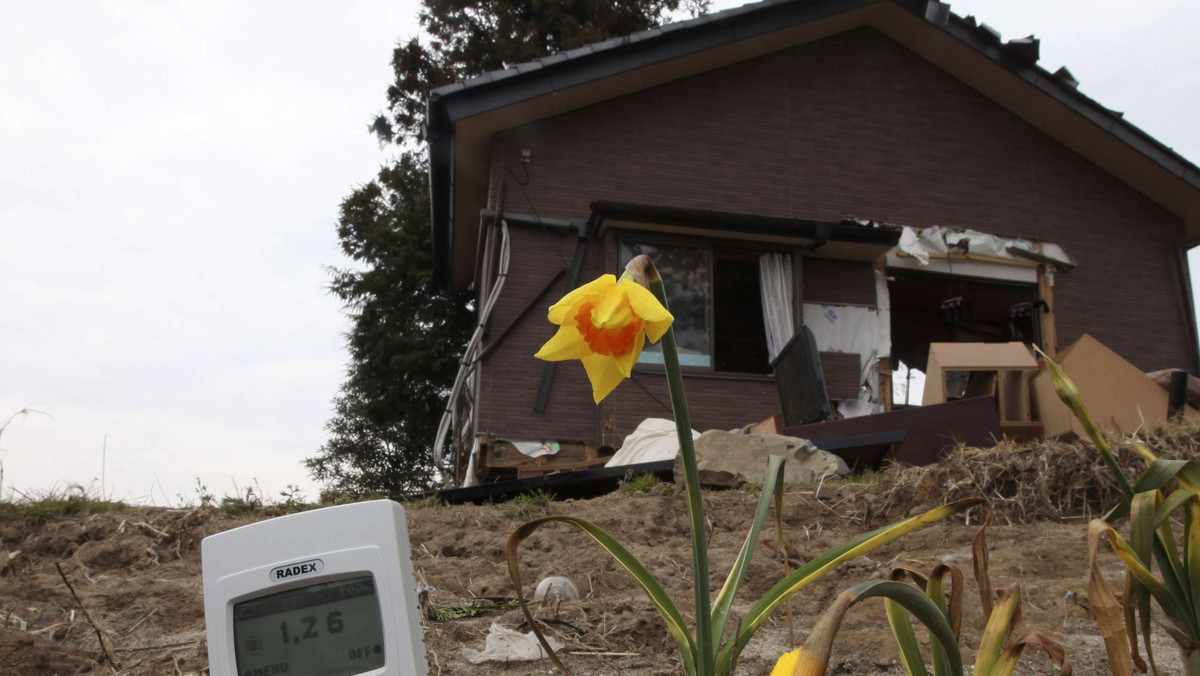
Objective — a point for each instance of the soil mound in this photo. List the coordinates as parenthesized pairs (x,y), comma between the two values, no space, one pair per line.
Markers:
(132,577)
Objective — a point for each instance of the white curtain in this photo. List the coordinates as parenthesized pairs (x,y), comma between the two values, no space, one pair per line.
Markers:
(775,281)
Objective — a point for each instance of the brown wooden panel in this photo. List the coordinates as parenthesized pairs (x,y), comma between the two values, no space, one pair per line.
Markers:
(838,282)
(932,430)
(841,372)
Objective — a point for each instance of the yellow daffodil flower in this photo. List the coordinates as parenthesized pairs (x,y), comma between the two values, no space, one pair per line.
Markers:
(797,662)
(604,324)
(786,664)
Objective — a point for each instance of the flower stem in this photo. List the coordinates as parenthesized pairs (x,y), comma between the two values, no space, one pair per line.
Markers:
(683,427)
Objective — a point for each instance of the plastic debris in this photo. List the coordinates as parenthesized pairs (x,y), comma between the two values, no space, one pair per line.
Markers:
(505,645)
(556,587)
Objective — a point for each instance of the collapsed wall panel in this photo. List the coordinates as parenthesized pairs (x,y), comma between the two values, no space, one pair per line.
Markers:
(1119,396)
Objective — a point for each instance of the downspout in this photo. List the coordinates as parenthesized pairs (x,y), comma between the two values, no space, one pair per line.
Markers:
(1185,278)
(468,360)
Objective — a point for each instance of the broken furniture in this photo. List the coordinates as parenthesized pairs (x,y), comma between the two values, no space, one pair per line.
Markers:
(1119,396)
(929,431)
(1001,371)
(801,381)
(500,459)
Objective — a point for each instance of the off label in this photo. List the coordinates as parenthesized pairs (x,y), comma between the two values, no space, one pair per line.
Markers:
(296,570)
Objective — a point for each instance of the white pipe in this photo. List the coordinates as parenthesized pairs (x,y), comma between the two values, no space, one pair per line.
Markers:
(467,359)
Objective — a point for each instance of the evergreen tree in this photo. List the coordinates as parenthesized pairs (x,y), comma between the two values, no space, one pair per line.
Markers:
(407,336)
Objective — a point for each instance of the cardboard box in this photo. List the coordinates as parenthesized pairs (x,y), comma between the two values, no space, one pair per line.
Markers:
(1120,397)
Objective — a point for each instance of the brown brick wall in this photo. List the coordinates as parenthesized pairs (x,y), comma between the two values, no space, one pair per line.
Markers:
(853,125)
(509,375)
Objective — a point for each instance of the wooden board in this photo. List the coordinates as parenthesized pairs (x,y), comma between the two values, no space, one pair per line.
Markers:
(931,430)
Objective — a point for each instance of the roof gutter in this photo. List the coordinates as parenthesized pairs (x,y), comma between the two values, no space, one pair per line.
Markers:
(845,230)
(440,135)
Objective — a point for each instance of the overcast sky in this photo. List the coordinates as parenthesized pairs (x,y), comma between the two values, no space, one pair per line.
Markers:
(169,180)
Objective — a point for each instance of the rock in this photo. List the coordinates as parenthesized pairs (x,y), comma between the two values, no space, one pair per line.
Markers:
(728,460)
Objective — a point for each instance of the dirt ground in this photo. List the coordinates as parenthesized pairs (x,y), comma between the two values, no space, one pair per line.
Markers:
(137,578)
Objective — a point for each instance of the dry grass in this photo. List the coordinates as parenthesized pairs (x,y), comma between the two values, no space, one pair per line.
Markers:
(1028,482)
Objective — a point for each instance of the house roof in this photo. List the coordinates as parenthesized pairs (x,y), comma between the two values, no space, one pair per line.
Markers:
(463,116)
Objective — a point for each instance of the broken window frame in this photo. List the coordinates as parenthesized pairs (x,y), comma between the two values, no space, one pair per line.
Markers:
(624,237)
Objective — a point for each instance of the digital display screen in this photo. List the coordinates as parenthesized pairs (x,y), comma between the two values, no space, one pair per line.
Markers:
(326,629)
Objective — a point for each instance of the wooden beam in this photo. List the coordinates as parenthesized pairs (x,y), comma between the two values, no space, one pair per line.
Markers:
(1049,329)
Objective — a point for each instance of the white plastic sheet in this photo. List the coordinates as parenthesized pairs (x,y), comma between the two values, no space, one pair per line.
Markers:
(653,440)
(920,243)
(505,645)
(534,449)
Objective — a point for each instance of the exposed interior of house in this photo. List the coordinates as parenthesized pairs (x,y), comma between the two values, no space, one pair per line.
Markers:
(933,308)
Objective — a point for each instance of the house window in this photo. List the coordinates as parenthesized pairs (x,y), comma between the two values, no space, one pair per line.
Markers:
(716,299)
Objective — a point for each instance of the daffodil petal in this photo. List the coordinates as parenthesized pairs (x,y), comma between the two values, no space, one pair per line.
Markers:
(645,304)
(626,361)
(613,310)
(604,375)
(656,330)
(566,344)
(562,308)
(786,664)
(798,663)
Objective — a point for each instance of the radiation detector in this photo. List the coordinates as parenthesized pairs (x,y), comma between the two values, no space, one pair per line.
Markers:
(329,592)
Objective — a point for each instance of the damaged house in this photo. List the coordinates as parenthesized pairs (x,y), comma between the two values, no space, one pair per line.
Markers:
(885,172)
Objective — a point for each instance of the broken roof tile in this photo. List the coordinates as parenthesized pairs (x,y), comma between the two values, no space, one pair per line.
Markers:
(1066,77)
(1028,47)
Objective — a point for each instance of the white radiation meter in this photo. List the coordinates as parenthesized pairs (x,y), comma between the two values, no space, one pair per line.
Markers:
(328,592)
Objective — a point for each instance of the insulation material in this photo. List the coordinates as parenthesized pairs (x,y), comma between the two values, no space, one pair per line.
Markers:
(652,441)
(1022,273)
(854,329)
(921,243)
